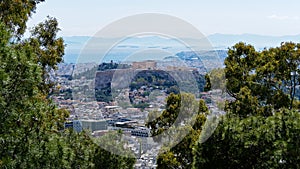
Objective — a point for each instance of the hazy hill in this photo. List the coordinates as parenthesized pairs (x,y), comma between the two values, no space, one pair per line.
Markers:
(130,45)
(259,41)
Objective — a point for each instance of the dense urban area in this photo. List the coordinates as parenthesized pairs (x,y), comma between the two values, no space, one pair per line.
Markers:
(148,85)
(185,111)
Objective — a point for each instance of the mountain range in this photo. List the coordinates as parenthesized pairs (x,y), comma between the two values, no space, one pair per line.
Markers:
(76,44)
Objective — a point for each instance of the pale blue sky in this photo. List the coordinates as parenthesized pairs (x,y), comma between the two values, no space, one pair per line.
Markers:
(264,17)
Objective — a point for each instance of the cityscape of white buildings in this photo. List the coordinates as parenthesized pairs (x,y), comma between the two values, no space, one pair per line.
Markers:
(101,118)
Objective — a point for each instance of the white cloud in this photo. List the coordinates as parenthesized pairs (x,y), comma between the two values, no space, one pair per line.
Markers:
(277,17)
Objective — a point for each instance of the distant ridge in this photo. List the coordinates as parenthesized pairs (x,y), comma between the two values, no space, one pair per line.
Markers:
(259,41)
(218,41)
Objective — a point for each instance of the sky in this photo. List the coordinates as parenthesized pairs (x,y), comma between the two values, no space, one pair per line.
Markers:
(263,17)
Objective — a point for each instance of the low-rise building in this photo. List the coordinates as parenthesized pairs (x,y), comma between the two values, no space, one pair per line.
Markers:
(94,125)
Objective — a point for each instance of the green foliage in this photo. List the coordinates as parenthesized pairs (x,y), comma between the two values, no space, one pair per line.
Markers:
(31,125)
(245,103)
(152,78)
(260,127)
(167,160)
(104,95)
(269,78)
(112,65)
(49,48)
(217,79)
(207,86)
(141,105)
(168,116)
(173,89)
(30,122)
(15,13)
(180,155)
(240,63)
(252,142)
(113,143)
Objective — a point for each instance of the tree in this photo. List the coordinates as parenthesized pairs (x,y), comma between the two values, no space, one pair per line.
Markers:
(217,77)
(270,76)
(48,47)
(168,116)
(180,155)
(259,128)
(109,144)
(252,142)
(287,68)
(31,125)
(29,120)
(207,86)
(240,63)
(15,13)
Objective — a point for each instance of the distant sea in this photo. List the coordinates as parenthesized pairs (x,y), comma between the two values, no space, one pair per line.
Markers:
(156,47)
(123,54)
